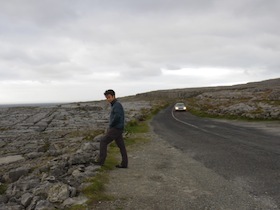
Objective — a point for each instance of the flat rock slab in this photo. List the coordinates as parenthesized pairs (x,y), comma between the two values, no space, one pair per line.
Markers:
(10,159)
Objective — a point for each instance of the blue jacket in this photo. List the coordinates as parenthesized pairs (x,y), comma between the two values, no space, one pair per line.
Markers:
(117,115)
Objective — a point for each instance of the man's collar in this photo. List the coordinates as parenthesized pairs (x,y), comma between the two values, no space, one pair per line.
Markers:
(114,101)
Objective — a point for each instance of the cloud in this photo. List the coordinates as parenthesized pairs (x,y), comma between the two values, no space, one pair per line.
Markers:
(134,46)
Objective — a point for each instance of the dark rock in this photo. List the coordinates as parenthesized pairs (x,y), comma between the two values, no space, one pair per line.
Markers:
(34,155)
(44,205)
(33,203)
(11,206)
(3,199)
(14,174)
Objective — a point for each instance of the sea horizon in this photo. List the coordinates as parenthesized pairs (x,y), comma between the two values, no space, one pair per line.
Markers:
(40,104)
(32,104)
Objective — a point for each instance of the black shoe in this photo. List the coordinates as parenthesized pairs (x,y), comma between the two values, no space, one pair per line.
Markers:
(120,166)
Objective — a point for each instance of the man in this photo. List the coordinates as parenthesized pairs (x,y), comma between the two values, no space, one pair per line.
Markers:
(116,127)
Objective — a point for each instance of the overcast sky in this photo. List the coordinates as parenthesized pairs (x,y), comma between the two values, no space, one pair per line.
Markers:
(70,50)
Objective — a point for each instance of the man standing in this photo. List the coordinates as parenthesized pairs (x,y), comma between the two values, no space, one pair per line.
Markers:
(116,127)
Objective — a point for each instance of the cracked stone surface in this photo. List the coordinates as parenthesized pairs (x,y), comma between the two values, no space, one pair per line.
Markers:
(47,146)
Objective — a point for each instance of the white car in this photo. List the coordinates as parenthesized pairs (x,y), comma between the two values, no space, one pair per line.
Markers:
(180,107)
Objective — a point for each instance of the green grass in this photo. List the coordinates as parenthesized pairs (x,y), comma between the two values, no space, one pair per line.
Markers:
(200,113)
(46,146)
(3,188)
(95,191)
(137,127)
(78,207)
(200,109)
(141,125)
(132,141)
(4,129)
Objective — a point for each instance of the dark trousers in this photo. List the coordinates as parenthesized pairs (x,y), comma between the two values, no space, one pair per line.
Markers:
(113,134)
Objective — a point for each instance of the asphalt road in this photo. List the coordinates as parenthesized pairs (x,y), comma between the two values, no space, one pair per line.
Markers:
(246,156)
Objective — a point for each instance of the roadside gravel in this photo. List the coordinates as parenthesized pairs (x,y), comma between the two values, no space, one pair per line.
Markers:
(162,177)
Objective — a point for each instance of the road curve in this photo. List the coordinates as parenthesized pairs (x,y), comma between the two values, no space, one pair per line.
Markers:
(246,156)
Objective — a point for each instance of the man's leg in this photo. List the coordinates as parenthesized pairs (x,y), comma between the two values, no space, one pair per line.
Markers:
(107,139)
(120,143)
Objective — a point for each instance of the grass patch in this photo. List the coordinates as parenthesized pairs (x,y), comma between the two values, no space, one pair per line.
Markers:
(78,207)
(141,125)
(46,145)
(4,129)
(210,108)
(132,141)
(227,116)
(137,127)
(3,188)
(95,191)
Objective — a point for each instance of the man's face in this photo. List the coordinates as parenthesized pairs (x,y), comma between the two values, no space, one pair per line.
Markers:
(110,98)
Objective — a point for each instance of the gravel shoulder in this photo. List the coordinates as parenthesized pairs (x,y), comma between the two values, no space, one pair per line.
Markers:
(162,177)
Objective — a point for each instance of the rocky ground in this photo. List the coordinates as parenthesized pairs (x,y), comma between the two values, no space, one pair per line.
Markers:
(48,152)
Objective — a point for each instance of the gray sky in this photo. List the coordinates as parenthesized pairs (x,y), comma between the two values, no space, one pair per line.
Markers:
(70,50)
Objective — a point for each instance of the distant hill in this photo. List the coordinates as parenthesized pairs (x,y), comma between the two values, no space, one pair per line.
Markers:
(254,100)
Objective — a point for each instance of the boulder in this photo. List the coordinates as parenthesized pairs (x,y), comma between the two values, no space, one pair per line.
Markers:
(33,203)
(11,206)
(26,199)
(44,205)
(3,199)
(74,201)
(10,159)
(14,174)
(33,155)
(58,193)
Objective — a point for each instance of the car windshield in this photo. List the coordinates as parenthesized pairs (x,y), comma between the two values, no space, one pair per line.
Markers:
(180,104)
